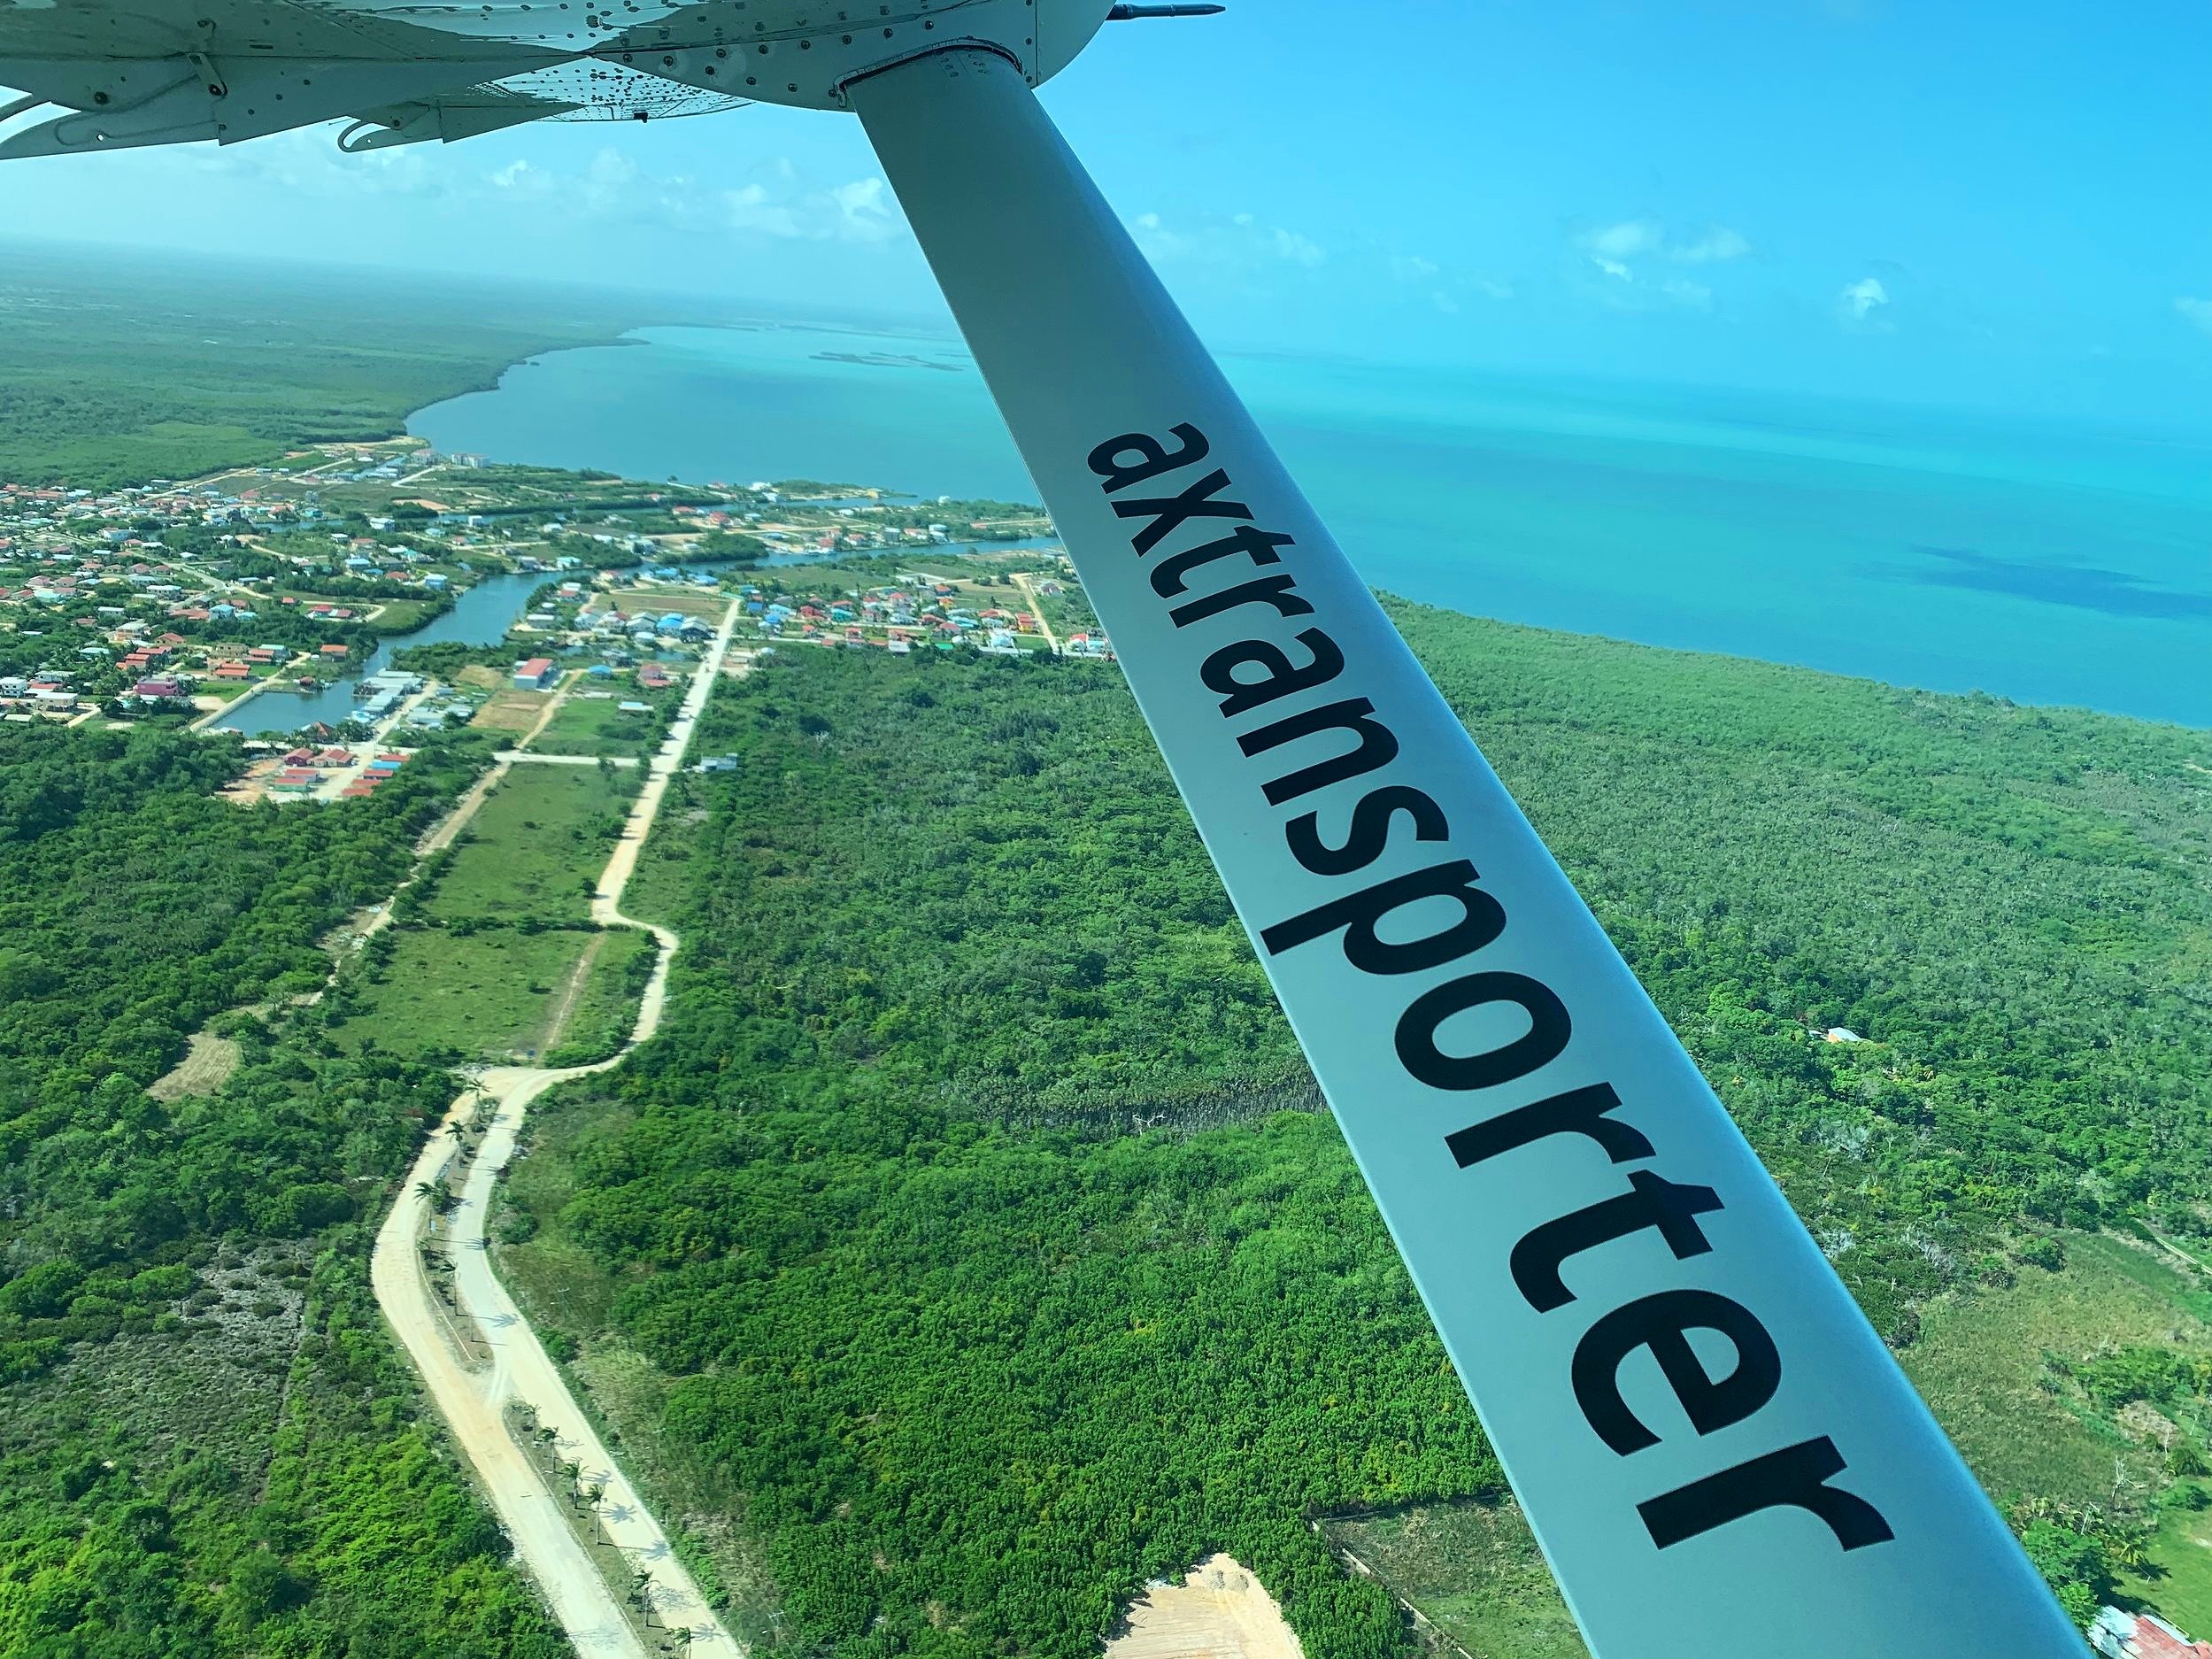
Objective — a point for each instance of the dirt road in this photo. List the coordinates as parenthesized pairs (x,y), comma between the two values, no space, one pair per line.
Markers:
(475,1397)
(510,755)
(1037,609)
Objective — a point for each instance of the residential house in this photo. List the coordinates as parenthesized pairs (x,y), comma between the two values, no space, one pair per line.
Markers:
(2120,1635)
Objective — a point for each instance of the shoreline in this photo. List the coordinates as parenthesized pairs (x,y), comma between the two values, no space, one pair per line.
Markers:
(1918,634)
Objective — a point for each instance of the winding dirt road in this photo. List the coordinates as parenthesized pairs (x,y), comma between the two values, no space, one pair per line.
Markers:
(477,1396)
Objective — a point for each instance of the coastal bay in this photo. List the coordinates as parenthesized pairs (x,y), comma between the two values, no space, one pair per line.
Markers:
(1953,552)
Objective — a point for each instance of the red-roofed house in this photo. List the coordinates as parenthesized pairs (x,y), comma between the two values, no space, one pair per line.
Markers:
(2142,1636)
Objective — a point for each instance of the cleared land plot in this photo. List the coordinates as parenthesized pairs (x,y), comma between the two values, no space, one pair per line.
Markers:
(699,602)
(1219,1611)
(207,1064)
(510,710)
(489,994)
(589,725)
(1475,1572)
(540,839)
(1982,1361)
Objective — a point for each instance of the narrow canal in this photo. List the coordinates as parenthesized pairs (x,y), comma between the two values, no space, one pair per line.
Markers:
(482,616)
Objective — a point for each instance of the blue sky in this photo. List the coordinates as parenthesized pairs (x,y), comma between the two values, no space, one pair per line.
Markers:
(1971,203)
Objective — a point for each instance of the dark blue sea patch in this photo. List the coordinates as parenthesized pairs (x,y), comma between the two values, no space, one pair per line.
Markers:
(2084,587)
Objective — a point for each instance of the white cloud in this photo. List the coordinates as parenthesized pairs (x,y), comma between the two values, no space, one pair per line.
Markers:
(1716,243)
(1648,238)
(1623,241)
(305,162)
(779,203)
(2197,311)
(1232,239)
(1623,265)
(1444,286)
(1297,249)
(1860,300)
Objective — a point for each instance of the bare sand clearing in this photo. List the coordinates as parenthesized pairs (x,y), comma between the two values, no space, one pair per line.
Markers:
(1219,1611)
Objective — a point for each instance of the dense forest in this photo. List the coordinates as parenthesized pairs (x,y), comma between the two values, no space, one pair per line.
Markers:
(207,1445)
(985,1239)
(119,372)
(976,1203)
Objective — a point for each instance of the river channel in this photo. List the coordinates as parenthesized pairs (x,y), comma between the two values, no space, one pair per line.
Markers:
(481,616)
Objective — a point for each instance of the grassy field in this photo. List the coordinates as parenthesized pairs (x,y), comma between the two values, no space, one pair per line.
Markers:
(396,616)
(1475,1572)
(1983,1360)
(2178,1585)
(538,839)
(596,725)
(401,616)
(486,994)
(698,602)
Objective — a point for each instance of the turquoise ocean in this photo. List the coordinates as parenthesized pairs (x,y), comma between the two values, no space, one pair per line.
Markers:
(1950,551)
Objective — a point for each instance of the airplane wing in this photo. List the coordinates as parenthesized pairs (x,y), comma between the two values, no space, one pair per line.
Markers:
(123,74)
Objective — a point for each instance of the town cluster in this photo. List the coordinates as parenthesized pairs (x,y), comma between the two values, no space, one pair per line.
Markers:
(175,600)
(916,608)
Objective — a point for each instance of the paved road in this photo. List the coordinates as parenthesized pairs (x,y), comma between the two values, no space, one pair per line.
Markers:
(473,1396)
(215,716)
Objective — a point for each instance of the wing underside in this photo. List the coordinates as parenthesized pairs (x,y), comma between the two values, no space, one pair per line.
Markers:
(121,74)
